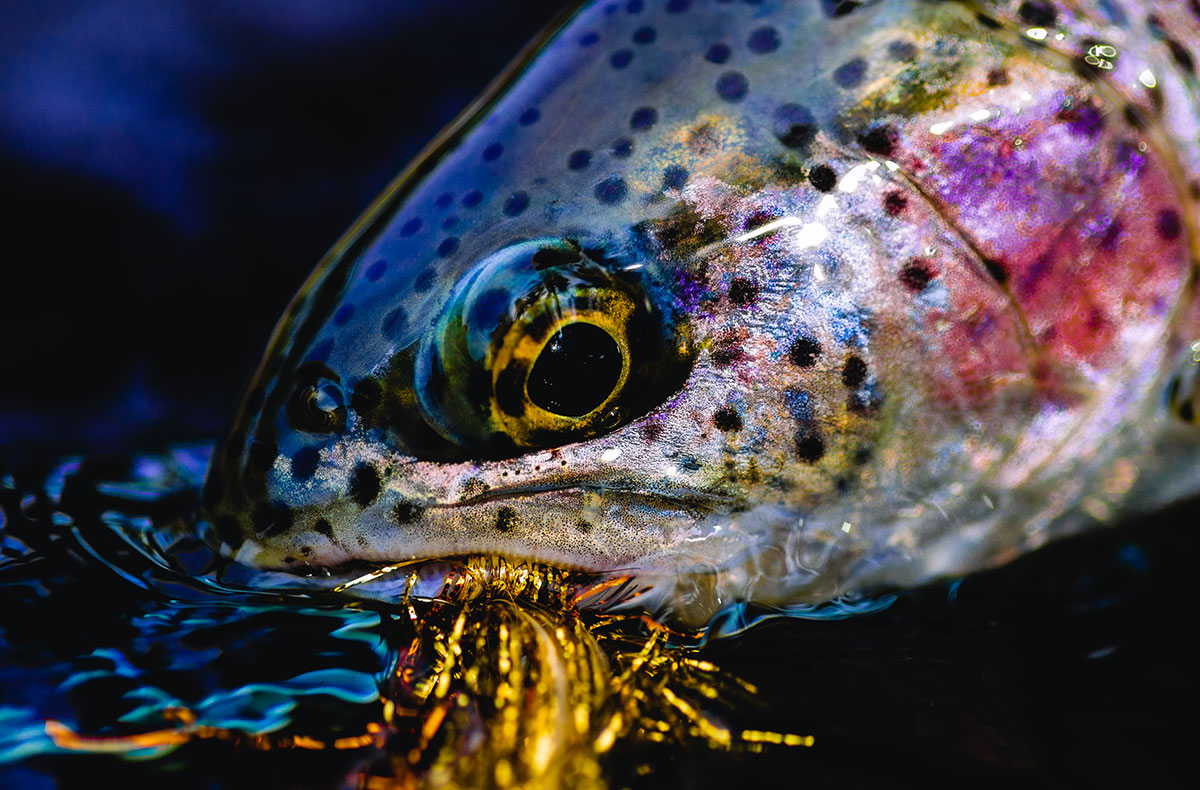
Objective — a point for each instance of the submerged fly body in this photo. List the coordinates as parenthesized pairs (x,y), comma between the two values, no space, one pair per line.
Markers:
(753,301)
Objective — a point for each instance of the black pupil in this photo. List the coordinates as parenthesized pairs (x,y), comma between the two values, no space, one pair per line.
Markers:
(576,371)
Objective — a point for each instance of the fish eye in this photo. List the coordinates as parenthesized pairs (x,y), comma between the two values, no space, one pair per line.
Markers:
(537,345)
(576,371)
(317,404)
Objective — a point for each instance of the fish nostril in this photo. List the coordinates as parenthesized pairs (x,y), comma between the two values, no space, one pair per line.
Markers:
(318,408)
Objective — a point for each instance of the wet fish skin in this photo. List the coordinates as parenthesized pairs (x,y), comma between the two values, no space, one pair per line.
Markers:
(897,290)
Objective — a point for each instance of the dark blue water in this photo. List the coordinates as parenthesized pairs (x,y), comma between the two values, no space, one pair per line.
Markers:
(175,170)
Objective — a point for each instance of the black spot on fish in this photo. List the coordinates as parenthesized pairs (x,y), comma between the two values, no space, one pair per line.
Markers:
(375,270)
(674,177)
(394,323)
(365,485)
(643,118)
(726,352)
(997,77)
(839,8)
(1168,224)
(917,274)
(727,419)
(880,139)
(652,431)
(795,126)
(901,50)
(367,395)
(850,74)
(822,177)
(854,372)
(272,519)
(424,281)
(1038,12)
(407,512)
(717,53)
(810,447)
(763,40)
(894,203)
(743,291)
(732,86)
(323,527)
(516,204)
(506,519)
(644,35)
(803,351)
(611,190)
(583,525)
(578,160)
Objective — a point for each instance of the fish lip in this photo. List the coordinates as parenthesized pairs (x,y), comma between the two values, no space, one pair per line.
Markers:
(680,495)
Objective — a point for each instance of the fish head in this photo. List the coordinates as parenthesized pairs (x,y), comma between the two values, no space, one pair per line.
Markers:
(644,311)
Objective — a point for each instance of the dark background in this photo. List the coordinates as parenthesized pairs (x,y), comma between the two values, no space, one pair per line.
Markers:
(171,172)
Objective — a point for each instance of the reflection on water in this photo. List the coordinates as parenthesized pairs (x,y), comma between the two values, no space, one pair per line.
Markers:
(126,653)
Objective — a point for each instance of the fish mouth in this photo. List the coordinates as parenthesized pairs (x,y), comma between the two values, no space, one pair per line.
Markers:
(680,496)
(464,577)
(650,515)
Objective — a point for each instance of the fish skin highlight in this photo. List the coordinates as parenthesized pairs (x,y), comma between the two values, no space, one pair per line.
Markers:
(767,302)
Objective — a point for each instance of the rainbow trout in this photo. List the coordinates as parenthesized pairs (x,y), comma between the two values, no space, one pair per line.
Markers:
(760,302)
